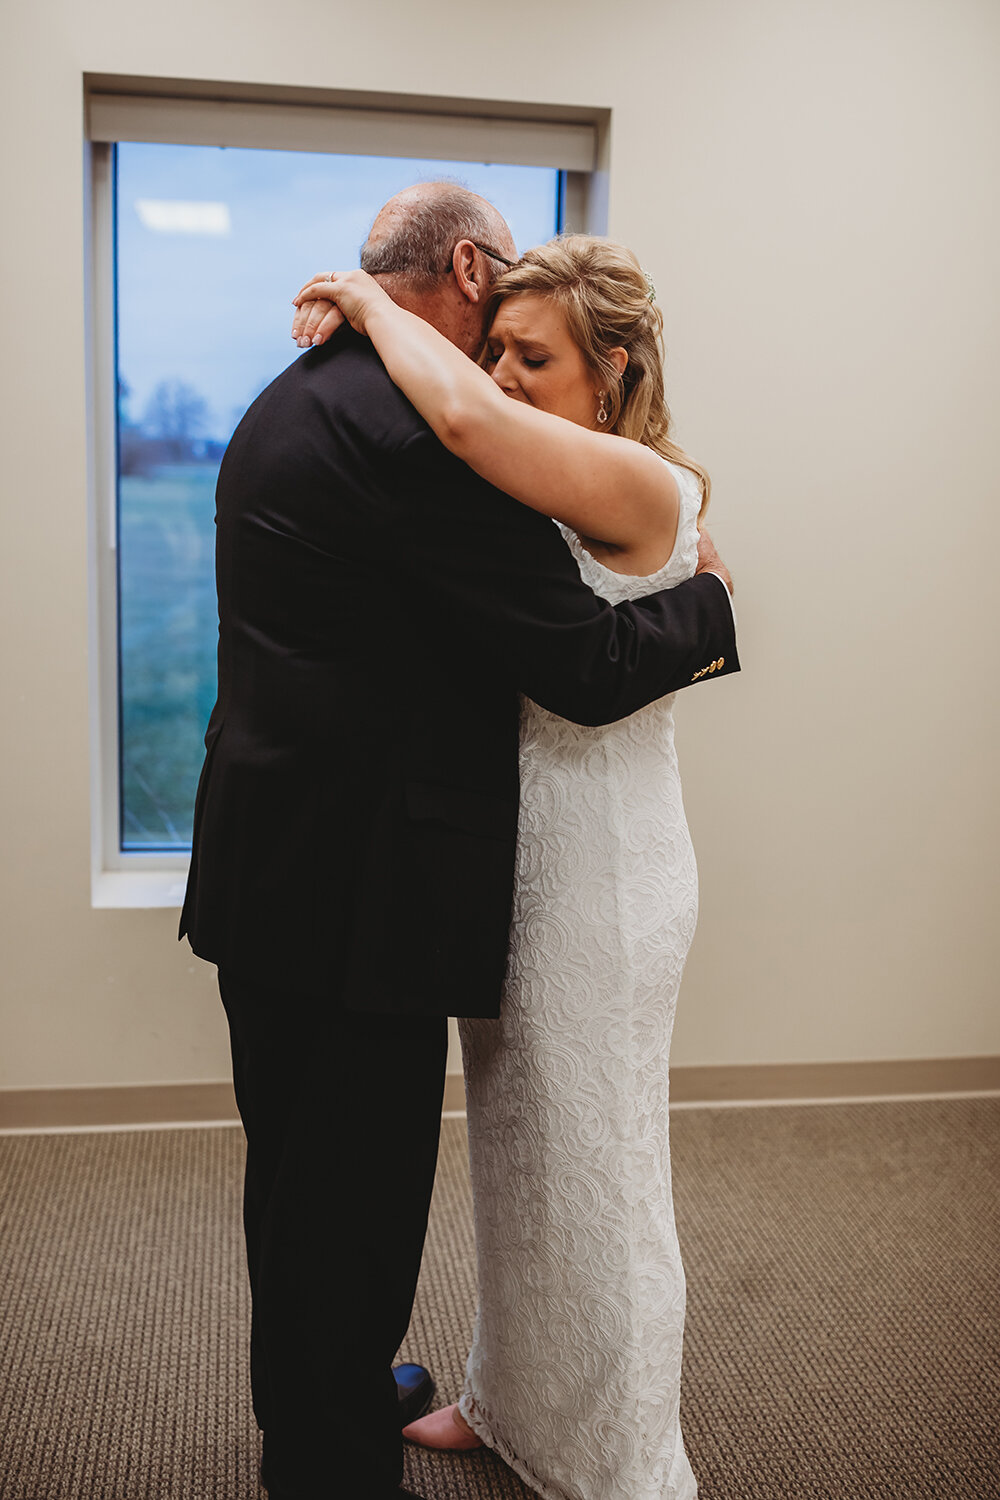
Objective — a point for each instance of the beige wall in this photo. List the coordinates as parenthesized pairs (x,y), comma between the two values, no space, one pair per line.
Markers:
(814,189)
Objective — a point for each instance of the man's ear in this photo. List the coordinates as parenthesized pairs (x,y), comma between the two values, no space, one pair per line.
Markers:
(467,266)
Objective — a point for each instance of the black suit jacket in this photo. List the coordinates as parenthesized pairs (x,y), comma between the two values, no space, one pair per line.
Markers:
(380,609)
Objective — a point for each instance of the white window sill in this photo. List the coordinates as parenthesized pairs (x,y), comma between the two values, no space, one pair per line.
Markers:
(138,888)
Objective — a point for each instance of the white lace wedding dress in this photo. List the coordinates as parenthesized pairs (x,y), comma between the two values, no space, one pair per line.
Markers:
(574,1374)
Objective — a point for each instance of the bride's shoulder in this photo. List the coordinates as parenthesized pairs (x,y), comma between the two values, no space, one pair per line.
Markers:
(645,464)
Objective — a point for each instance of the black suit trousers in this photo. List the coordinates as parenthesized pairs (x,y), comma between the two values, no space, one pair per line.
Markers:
(342,1114)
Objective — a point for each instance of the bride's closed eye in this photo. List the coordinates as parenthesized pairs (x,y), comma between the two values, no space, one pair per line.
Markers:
(533,362)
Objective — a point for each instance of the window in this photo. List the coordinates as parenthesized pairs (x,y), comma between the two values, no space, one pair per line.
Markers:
(198,249)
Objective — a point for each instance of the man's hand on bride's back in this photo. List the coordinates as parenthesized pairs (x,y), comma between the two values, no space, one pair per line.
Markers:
(329,299)
(709,560)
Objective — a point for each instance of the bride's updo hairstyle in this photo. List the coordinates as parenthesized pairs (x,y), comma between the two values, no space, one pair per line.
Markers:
(607,302)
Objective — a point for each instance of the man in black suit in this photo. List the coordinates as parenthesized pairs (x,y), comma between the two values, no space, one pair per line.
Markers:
(380,609)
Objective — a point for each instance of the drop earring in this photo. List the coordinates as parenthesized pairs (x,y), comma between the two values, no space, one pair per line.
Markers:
(602,411)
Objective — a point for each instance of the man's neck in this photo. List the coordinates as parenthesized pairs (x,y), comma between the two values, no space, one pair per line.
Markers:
(443,308)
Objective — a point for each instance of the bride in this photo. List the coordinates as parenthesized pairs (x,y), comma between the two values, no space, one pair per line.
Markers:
(574,1373)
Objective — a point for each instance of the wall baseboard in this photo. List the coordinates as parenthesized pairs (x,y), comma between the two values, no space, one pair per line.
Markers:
(454,1094)
(124,1106)
(759,1082)
(118,1106)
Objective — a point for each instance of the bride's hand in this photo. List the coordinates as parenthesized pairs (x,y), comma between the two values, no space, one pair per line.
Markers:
(325,302)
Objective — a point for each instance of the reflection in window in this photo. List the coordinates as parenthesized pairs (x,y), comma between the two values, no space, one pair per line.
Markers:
(211,244)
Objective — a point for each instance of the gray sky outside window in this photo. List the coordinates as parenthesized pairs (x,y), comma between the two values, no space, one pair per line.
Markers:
(214,242)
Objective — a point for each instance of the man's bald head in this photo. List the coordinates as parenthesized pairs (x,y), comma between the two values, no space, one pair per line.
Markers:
(429,246)
(414,235)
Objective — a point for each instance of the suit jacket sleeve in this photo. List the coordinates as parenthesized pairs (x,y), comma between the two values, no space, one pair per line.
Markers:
(504,572)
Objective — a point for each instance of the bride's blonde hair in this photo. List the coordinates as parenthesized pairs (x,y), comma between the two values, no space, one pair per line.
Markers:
(608,304)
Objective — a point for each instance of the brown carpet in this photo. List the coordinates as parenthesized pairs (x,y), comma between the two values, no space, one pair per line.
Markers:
(842,1266)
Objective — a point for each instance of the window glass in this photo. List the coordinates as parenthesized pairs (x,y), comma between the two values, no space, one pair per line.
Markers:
(211,245)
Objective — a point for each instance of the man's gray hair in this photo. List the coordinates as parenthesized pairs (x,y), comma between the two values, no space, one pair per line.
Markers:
(419,245)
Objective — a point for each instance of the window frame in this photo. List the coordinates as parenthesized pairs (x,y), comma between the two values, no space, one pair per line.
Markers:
(573,141)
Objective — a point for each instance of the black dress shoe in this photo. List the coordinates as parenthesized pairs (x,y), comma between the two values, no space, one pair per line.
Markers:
(415,1390)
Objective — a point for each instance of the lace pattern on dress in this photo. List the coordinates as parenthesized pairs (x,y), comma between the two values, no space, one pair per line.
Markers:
(574,1373)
